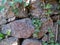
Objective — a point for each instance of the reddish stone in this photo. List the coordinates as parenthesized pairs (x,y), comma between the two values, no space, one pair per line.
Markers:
(20,28)
(44,28)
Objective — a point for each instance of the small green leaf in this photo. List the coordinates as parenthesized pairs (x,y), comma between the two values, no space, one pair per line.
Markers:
(8,32)
(4,1)
(51,35)
(51,41)
(56,43)
(11,3)
(26,4)
(58,22)
(20,1)
(44,43)
(1,8)
(48,12)
(1,36)
(59,1)
(49,30)
(16,11)
(48,6)
(37,31)
(52,44)
(35,35)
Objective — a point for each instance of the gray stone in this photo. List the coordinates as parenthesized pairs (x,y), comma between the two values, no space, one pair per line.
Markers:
(11,19)
(31,42)
(20,28)
(36,10)
(9,41)
(3,14)
(44,28)
(10,16)
(2,20)
(55,31)
(46,25)
(22,13)
(45,38)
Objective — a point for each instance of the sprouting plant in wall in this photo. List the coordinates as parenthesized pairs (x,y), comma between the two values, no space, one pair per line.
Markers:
(48,12)
(8,32)
(47,6)
(48,9)
(37,24)
(51,41)
(13,3)
(59,1)
(2,6)
(58,22)
(2,36)
(58,7)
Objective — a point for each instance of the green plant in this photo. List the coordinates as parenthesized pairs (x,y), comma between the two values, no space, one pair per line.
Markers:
(2,36)
(51,41)
(8,32)
(47,6)
(48,12)
(58,22)
(13,4)
(15,10)
(58,7)
(2,8)
(3,2)
(37,24)
(59,1)
(48,9)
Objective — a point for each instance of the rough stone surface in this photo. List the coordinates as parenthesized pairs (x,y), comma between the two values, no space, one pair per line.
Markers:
(55,31)
(58,34)
(36,10)
(20,28)
(55,5)
(55,18)
(44,28)
(45,38)
(25,28)
(9,41)
(11,19)
(0,2)
(41,34)
(31,42)
(22,13)
(10,15)
(46,25)
(2,14)
(2,20)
